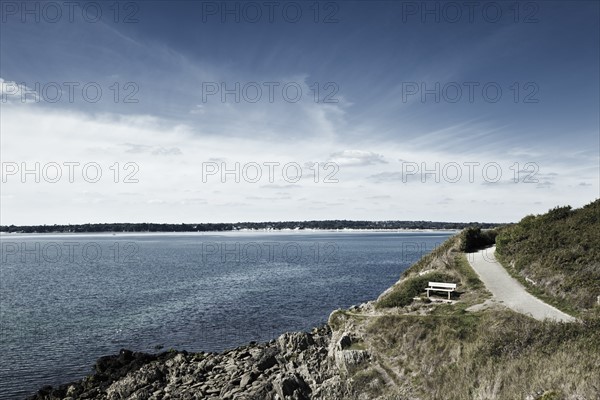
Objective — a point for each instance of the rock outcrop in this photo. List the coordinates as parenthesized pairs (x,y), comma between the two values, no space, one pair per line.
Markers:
(295,366)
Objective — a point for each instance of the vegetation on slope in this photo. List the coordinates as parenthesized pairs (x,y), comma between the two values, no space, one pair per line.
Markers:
(425,350)
(556,255)
(445,352)
(447,263)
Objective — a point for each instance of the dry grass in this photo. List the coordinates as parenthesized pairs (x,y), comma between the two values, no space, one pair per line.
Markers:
(490,355)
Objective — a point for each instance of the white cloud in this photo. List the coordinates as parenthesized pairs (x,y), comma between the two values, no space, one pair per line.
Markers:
(13,92)
(356,158)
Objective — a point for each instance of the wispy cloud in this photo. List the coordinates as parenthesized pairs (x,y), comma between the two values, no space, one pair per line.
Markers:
(154,150)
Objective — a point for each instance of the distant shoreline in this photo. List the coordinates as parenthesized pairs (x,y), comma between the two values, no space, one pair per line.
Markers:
(292,226)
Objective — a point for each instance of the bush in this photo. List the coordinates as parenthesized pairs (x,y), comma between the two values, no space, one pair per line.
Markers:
(473,239)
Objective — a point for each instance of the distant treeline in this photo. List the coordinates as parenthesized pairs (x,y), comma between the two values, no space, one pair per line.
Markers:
(206,227)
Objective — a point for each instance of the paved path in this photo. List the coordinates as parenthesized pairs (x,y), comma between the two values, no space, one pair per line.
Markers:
(509,291)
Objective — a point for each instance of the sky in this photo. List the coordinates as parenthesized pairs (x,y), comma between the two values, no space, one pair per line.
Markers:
(202,111)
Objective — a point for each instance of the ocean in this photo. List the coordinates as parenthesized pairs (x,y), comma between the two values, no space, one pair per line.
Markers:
(67,299)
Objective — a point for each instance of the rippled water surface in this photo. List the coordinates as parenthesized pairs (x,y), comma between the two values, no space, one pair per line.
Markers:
(68,299)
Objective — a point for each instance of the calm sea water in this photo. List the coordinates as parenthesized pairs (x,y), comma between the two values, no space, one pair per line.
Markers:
(66,300)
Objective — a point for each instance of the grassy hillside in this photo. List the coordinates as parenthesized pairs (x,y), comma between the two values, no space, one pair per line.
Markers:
(447,263)
(556,255)
(441,351)
(428,351)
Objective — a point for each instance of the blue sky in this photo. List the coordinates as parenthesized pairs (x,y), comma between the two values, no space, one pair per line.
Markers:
(373,59)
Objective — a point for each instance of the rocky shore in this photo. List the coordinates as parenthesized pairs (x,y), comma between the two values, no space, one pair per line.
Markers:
(298,365)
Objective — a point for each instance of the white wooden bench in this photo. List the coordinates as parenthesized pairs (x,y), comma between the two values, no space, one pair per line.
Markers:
(441,287)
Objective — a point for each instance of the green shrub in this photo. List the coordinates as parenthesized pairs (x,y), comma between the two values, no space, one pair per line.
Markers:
(560,251)
(473,239)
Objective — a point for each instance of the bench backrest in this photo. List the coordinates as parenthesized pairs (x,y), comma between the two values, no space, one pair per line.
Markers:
(443,285)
